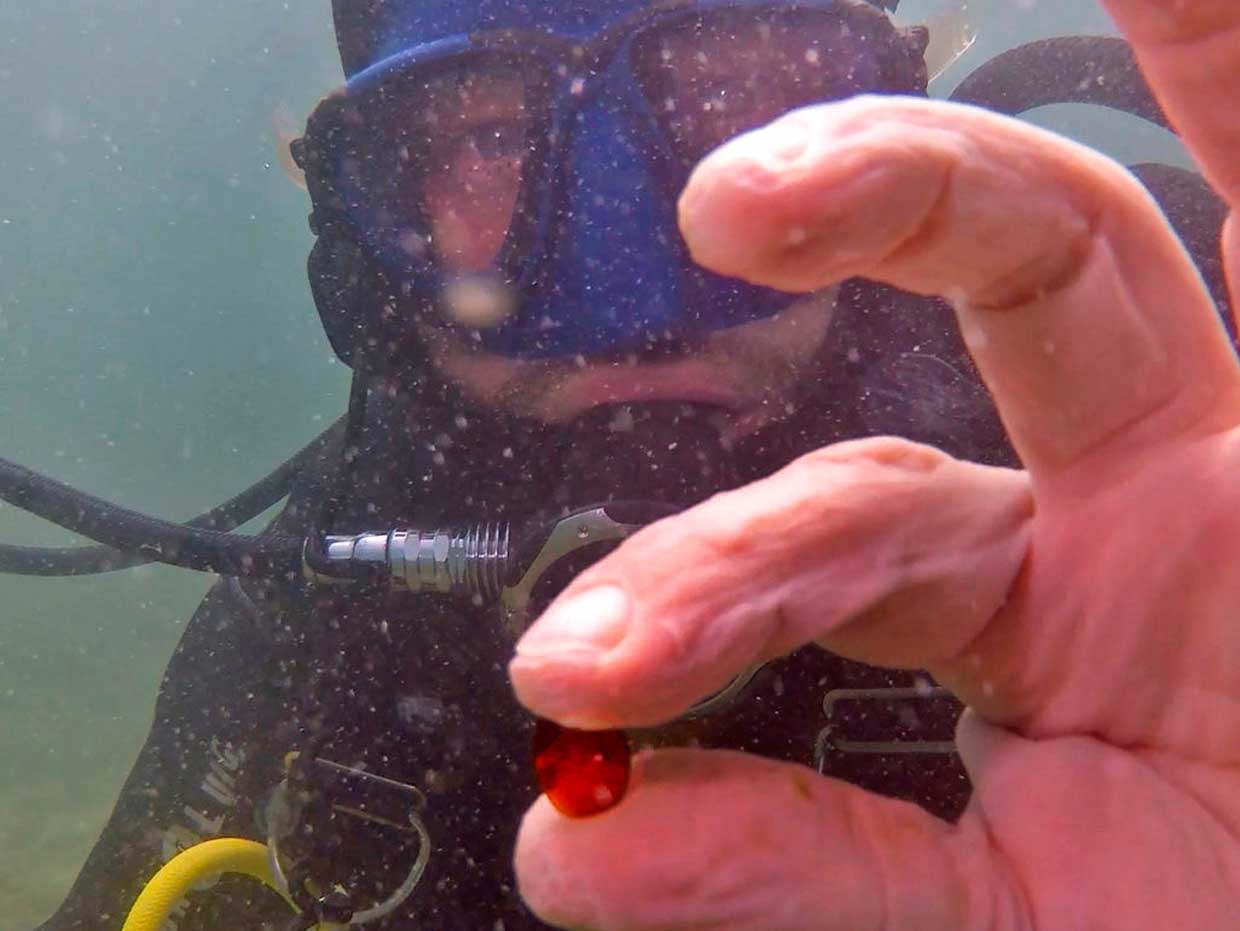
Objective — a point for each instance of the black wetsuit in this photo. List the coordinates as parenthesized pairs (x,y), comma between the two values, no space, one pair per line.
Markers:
(424,704)
(415,689)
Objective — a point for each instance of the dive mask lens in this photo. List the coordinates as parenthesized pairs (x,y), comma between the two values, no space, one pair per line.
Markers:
(435,158)
(713,74)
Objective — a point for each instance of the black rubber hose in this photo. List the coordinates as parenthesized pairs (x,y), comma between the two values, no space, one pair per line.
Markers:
(131,538)
(1097,70)
(161,540)
(60,561)
(1102,70)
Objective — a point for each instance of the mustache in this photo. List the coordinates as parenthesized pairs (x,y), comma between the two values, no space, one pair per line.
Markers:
(760,372)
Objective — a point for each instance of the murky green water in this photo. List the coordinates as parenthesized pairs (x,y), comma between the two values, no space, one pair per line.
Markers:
(158,345)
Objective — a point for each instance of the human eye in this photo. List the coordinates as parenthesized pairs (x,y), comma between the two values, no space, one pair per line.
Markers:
(497,139)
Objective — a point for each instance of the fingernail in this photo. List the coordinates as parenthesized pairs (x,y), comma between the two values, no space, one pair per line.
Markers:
(590,623)
(779,143)
(787,139)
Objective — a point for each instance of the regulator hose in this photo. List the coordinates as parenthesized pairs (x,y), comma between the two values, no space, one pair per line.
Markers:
(1099,70)
(244,506)
(275,556)
(1103,71)
(188,868)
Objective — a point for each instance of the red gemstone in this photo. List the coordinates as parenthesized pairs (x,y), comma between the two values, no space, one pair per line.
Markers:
(582,772)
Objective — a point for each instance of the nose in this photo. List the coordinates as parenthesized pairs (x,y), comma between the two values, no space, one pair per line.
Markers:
(614,255)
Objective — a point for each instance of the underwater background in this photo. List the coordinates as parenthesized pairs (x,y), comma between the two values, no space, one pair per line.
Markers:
(159,347)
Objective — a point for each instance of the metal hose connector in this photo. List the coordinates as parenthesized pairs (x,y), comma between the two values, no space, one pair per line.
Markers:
(471,562)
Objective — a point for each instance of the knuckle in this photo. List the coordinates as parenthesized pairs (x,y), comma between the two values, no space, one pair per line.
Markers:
(878,452)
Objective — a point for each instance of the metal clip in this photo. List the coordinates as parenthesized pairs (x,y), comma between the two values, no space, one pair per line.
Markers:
(372,798)
(831,738)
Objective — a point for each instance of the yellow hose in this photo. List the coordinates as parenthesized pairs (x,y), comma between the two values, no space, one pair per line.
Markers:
(192,866)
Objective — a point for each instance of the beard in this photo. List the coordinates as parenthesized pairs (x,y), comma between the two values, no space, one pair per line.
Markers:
(433,457)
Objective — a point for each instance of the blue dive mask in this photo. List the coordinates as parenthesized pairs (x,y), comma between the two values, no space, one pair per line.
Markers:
(512,168)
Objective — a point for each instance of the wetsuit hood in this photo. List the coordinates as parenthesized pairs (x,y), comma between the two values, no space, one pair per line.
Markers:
(371,30)
(368,31)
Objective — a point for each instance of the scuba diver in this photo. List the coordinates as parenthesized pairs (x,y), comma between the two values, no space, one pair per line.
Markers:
(541,369)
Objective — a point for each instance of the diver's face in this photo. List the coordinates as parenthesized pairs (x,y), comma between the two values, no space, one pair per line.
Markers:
(473,170)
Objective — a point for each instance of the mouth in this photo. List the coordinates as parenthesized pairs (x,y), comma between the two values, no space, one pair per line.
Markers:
(691,381)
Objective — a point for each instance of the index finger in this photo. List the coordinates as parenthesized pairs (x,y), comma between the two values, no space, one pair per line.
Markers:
(1087,318)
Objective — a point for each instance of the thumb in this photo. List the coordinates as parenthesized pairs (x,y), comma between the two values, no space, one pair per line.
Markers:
(883,550)
(724,841)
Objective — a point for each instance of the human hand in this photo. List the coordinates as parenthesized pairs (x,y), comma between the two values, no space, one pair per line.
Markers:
(1085,610)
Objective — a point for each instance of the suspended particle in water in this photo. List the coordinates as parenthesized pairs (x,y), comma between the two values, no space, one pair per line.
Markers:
(478,302)
(583,773)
